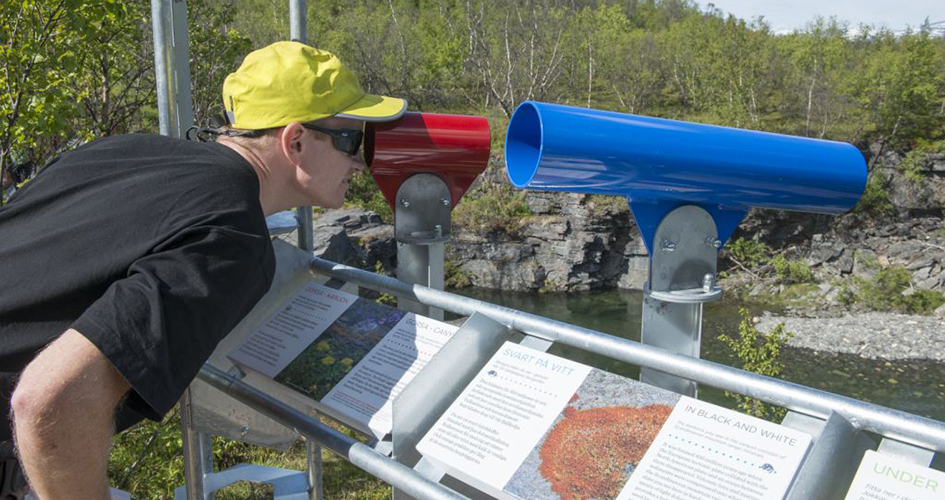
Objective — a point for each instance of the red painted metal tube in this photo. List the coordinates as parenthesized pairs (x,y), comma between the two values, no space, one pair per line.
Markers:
(453,147)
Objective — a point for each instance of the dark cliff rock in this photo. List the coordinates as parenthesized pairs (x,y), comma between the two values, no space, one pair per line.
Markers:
(569,243)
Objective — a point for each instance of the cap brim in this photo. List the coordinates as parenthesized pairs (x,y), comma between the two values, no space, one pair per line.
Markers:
(375,108)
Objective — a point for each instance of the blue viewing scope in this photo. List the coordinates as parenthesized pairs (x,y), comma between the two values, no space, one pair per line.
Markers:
(660,164)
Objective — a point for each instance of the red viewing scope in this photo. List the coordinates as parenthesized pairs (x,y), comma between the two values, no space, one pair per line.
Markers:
(455,148)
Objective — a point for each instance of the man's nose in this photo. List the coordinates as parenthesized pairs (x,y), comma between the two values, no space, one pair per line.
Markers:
(357,163)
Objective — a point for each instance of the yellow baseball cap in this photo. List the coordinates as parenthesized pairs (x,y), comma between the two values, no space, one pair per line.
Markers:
(292,82)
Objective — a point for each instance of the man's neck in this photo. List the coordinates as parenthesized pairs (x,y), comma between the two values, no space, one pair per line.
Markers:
(267,198)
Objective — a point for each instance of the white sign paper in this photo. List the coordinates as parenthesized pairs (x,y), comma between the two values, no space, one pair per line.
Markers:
(884,477)
(292,328)
(367,393)
(712,453)
(502,414)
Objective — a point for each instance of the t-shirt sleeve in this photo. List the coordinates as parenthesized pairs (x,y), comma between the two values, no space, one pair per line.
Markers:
(160,323)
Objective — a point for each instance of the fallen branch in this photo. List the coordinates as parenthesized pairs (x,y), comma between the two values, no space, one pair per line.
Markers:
(744,268)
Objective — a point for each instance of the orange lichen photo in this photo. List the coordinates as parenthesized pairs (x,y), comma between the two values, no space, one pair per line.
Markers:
(596,441)
(586,455)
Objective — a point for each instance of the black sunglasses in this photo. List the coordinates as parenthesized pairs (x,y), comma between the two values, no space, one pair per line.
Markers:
(346,140)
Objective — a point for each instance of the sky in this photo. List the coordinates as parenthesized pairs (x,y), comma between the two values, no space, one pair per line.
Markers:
(785,16)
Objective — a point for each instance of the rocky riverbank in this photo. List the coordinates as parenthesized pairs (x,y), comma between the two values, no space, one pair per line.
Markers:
(818,321)
(872,335)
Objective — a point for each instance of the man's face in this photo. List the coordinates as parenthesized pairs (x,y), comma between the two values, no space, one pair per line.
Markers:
(326,171)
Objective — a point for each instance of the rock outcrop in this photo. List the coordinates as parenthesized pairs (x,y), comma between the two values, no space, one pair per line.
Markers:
(570,242)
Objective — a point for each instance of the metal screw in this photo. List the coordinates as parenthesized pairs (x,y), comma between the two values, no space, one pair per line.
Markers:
(445,202)
(668,246)
(437,231)
(404,203)
(713,242)
(708,282)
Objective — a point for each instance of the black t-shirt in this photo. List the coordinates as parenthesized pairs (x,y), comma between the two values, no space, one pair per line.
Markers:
(153,248)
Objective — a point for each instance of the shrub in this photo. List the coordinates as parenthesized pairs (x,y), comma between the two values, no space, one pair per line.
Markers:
(923,301)
(752,253)
(913,165)
(758,353)
(455,276)
(791,271)
(846,295)
(875,197)
(885,292)
(497,208)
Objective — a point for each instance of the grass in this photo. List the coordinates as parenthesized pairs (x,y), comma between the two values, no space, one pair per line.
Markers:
(603,204)
(147,461)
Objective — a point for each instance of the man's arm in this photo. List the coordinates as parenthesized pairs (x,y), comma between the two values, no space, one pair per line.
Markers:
(63,418)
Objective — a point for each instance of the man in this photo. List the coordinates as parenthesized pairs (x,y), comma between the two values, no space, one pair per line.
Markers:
(124,262)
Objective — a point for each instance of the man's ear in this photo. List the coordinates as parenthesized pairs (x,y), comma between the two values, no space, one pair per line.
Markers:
(290,140)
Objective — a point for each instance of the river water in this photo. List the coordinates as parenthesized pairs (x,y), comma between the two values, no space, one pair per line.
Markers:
(913,386)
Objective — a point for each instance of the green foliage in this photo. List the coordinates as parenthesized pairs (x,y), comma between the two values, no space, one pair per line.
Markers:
(875,198)
(384,298)
(885,292)
(364,193)
(216,50)
(791,271)
(492,208)
(914,165)
(455,277)
(900,84)
(751,253)
(758,353)
(43,49)
(846,295)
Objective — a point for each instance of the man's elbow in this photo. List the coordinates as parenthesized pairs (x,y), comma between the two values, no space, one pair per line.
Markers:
(34,404)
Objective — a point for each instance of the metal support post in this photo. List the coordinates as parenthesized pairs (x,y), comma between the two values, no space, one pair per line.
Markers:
(421,226)
(313,460)
(681,278)
(198,458)
(172,66)
(175,112)
(298,31)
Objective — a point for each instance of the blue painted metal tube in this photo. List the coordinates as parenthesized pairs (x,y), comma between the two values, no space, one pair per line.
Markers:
(654,160)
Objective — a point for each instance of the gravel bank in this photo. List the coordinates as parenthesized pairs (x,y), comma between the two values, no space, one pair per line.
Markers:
(870,335)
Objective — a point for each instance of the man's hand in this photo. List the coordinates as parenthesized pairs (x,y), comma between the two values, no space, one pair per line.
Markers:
(63,418)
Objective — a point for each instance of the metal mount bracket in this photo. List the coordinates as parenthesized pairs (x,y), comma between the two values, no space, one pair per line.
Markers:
(682,276)
(421,226)
(422,211)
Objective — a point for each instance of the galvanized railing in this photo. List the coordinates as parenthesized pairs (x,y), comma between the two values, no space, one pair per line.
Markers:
(836,421)
(890,423)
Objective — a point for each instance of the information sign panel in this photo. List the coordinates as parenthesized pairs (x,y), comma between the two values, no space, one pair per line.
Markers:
(351,356)
(533,425)
(885,477)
